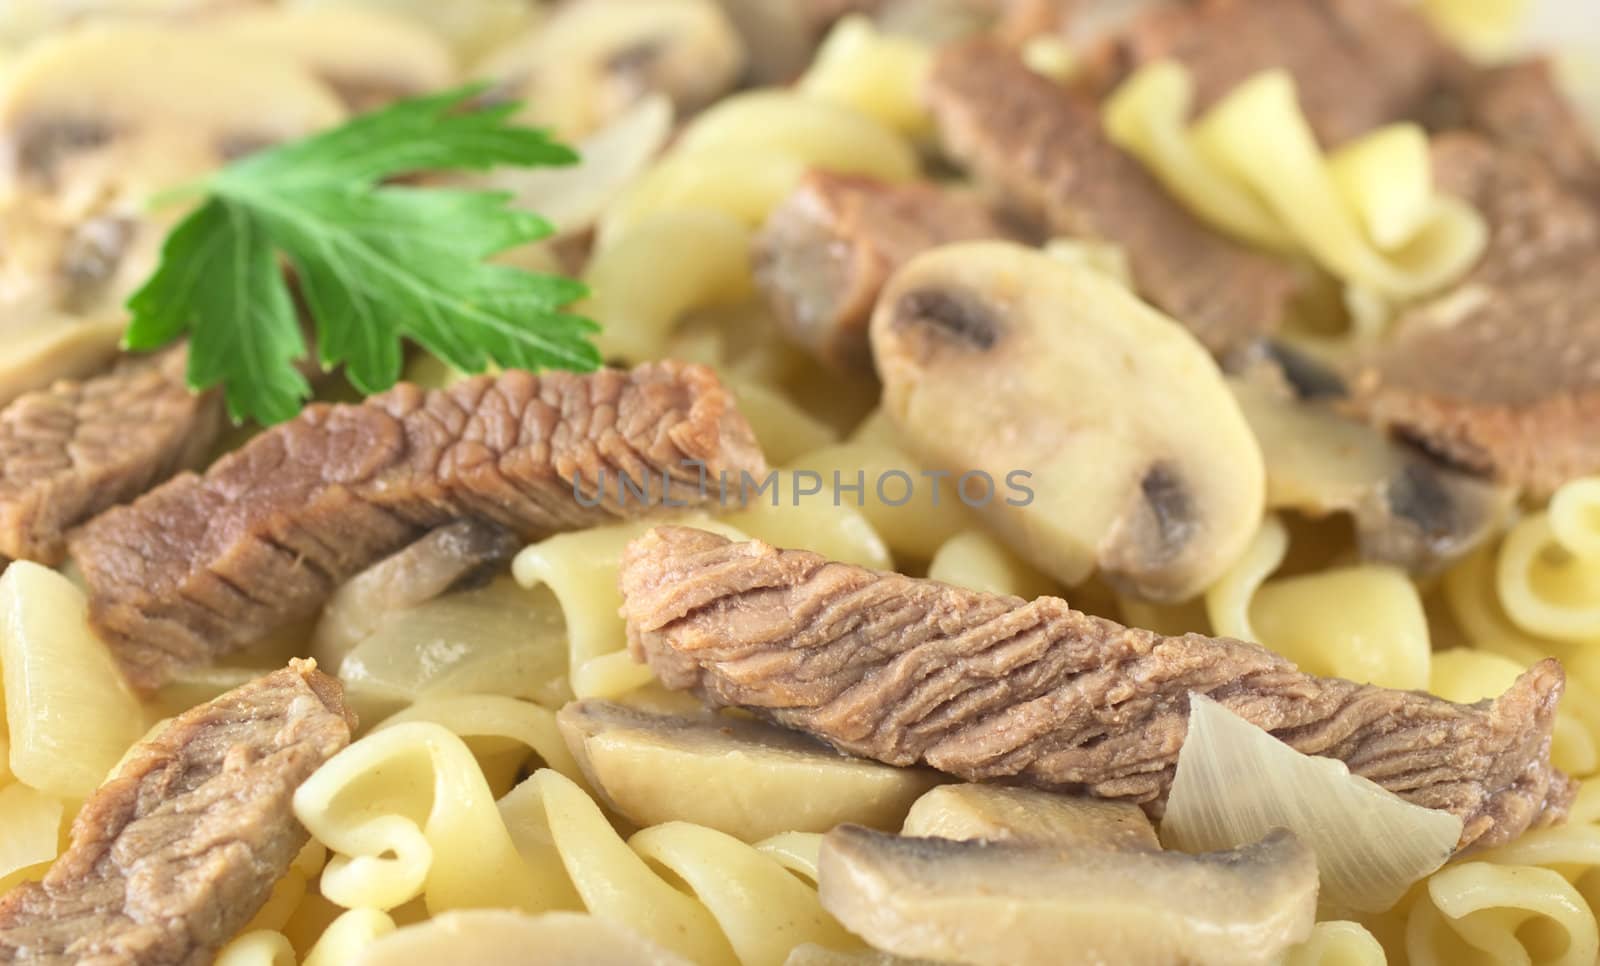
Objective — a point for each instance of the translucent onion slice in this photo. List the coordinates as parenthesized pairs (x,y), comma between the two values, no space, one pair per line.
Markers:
(32,824)
(573,198)
(1235,782)
(69,711)
(499,639)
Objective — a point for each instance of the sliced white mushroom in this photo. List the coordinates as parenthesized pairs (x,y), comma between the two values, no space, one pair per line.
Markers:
(501,937)
(1409,509)
(593,58)
(368,56)
(984,902)
(121,112)
(1002,364)
(471,28)
(1027,816)
(92,123)
(446,557)
(743,777)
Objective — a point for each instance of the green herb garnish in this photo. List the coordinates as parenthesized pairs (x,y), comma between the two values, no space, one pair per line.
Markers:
(375,262)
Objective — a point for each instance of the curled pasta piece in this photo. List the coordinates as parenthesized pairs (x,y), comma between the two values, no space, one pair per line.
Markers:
(1472,591)
(742,906)
(743,155)
(1481,912)
(1252,167)
(975,560)
(262,947)
(873,73)
(1338,943)
(639,296)
(494,716)
(406,811)
(1549,567)
(347,936)
(1364,623)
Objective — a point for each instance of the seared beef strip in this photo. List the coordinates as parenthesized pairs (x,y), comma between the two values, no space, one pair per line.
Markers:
(1357,64)
(1520,106)
(181,847)
(1039,146)
(989,687)
(1502,375)
(826,251)
(76,448)
(205,564)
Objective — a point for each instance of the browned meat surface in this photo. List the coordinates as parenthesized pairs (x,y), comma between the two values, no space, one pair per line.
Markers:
(1040,148)
(1358,64)
(989,687)
(1519,106)
(70,451)
(1502,375)
(205,564)
(826,251)
(179,849)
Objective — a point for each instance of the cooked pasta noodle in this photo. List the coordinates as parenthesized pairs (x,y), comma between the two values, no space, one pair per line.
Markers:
(1364,622)
(345,938)
(1481,912)
(1252,167)
(406,812)
(494,716)
(1549,567)
(743,904)
(432,809)
(1338,943)
(741,156)
(262,947)
(878,75)
(976,560)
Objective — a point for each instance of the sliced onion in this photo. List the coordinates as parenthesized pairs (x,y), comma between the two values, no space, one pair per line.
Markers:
(69,710)
(499,639)
(1235,782)
(572,198)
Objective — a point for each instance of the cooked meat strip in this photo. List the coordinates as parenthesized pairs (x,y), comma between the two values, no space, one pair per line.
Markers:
(181,847)
(989,687)
(1039,146)
(71,450)
(1502,375)
(205,564)
(826,251)
(1358,64)
(1520,106)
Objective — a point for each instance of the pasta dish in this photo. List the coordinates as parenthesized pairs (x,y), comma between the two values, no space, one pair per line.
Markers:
(800,482)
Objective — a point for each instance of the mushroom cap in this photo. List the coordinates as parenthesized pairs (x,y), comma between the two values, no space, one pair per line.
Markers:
(123,111)
(1002,359)
(594,58)
(985,902)
(396,56)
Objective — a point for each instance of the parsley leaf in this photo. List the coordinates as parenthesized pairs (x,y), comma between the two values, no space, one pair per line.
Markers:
(375,262)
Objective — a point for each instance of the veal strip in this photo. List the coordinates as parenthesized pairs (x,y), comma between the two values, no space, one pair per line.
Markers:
(206,564)
(989,687)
